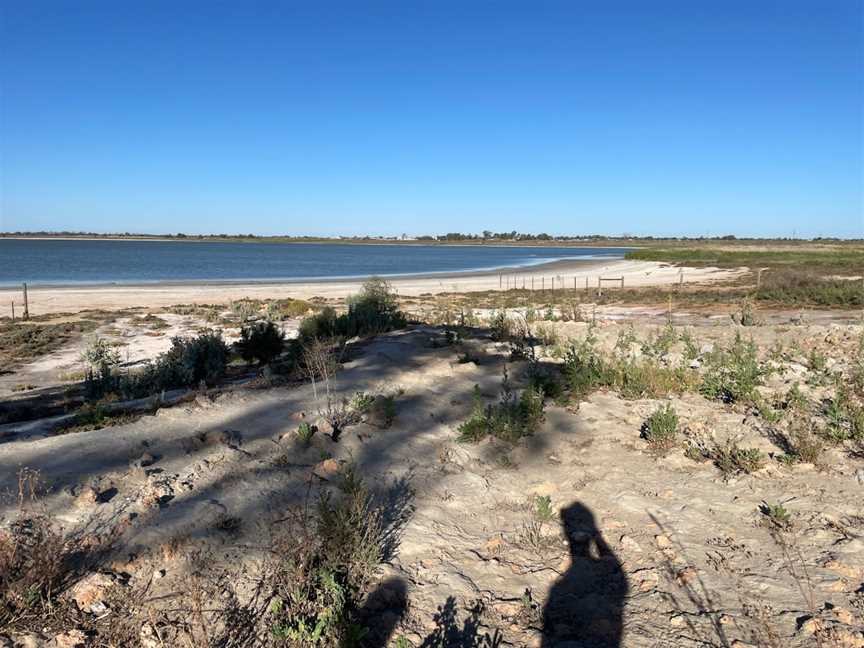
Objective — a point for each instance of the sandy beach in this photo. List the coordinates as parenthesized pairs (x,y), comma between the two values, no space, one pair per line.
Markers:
(63,299)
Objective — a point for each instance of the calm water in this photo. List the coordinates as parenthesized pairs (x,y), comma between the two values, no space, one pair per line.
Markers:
(132,262)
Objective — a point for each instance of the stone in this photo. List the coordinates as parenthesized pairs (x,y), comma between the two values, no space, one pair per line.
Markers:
(859,476)
(88,496)
(148,637)
(662,541)
(70,639)
(629,544)
(326,469)
(89,590)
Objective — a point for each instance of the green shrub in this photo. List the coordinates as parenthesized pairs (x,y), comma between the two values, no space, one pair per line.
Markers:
(260,341)
(776,514)
(361,402)
(328,564)
(731,458)
(732,374)
(845,417)
(282,309)
(373,311)
(660,430)
(305,432)
(100,357)
(584,369)
(500,326)
(543,510)
(511,418)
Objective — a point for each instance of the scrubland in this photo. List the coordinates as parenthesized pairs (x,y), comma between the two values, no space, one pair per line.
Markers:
(647,467)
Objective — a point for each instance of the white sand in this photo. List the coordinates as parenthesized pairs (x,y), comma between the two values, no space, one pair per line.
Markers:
(635,273)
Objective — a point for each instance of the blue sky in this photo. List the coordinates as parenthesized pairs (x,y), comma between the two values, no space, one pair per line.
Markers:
(329,118)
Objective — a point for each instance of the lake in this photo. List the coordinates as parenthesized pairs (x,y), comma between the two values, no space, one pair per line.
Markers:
(73,262)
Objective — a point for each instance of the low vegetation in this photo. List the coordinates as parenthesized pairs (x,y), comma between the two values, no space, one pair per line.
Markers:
(373,311)
(189,362)
(261,342)
(328,563)
(514,416)
(732,374)
(660,430)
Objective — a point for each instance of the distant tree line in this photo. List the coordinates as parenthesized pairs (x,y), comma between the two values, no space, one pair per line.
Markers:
(485,236)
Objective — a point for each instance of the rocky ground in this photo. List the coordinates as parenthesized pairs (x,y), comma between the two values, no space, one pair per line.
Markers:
(579,535)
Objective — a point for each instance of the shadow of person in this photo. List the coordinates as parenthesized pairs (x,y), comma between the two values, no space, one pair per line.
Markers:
(585,605)
(382,611)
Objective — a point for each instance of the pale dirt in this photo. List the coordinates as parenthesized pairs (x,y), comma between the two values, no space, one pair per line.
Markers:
(701,566)
(635,273)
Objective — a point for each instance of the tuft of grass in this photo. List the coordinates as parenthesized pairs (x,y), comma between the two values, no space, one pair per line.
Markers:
(660,430)
(730,458)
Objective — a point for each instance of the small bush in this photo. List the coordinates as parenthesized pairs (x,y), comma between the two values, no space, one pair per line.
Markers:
(543,510)
(732,374)
(305,432)
(327,568)
(584,369)
(509,420)
(776,515)
(361,402)
(660,430)
(845,417)
(500,326)
(261,341)
(730,458)
(100,357)
(745,316)
(373,311)
(282,309)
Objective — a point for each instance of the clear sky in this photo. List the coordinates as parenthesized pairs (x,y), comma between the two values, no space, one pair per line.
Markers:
(649,117)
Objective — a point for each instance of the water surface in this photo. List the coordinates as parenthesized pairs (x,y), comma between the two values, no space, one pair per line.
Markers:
(73,262)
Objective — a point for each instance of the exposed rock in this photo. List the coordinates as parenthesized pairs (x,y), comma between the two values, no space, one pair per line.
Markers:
(70,639)
(89,590)
(326,469)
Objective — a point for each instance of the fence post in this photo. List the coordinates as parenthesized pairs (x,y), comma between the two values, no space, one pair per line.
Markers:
(26,315)
(542,284)
(759,279)
(532,283)
(499,282)
(13,310)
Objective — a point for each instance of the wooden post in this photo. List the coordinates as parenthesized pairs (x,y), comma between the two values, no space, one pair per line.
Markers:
(574,284)
(13,311)
(500,279)
(681,277)
(759,279)
(26,315)
(532,283)
(523,283)
(622,282)
(542,284)
(586,282)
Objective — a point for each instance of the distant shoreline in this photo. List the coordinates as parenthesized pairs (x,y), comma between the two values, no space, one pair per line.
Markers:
(610,243)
